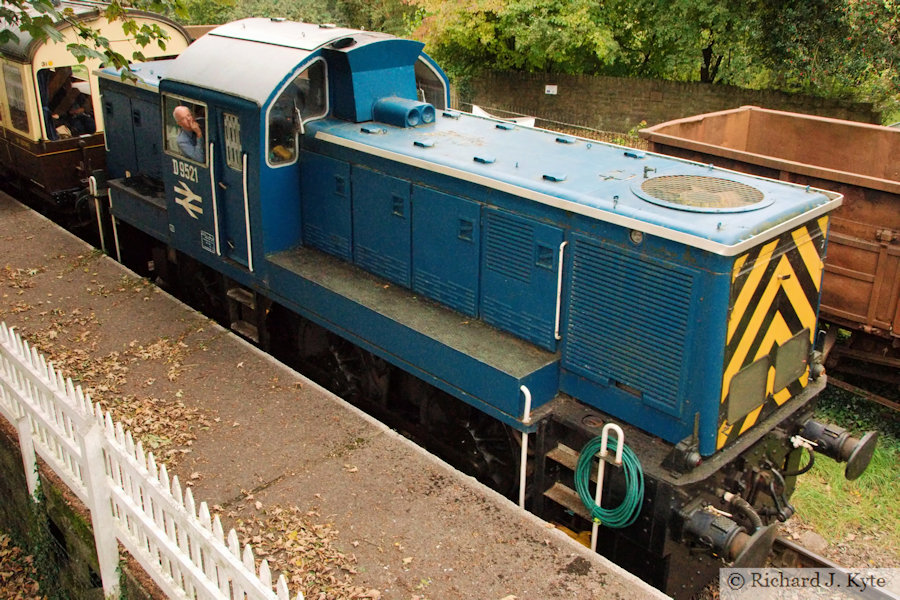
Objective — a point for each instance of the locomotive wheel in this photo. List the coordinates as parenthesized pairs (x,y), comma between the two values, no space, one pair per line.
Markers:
(356,375)
(348,371)
(468,439)
(83,218)
(203,289)
(473,442)
(492,451)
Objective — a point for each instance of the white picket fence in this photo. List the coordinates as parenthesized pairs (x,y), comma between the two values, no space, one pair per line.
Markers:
(131,498)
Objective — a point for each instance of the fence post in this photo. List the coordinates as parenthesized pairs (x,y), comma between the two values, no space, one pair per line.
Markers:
(29,458)
(102,521)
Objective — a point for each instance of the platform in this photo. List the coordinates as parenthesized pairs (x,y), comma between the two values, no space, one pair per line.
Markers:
(257,439)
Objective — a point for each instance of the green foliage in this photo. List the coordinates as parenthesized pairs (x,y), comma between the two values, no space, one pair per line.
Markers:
(311,11)
(525,35)
(836,507)
(40,20)
(42,546)
(681,40)
(859,415)
(207,12)
(389,16)
(835,48)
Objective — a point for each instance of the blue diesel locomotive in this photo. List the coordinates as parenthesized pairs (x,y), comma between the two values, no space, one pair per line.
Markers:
(502,293)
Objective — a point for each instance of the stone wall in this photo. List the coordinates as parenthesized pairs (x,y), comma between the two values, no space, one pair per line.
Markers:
(620,104)
(57,533)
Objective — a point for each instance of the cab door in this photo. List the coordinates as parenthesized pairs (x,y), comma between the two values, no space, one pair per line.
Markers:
(232,125)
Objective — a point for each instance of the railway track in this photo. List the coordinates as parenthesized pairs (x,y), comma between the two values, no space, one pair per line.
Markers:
(786,553)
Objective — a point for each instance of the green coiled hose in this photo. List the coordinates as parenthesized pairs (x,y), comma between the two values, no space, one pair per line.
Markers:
(625,513)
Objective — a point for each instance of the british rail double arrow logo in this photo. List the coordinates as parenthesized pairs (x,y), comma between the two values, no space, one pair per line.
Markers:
(186,197)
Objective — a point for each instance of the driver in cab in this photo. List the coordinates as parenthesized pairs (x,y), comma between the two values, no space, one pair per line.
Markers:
(190,138)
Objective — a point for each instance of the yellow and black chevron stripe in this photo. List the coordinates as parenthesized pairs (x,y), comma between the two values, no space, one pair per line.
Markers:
(774,297)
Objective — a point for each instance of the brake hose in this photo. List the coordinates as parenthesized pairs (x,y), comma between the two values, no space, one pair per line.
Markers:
(625,513)
(809,465)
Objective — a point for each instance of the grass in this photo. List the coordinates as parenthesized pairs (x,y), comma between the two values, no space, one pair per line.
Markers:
(870,505)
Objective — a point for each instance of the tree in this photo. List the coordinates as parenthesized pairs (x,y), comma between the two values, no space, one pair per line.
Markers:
(389,16)
(525,35)
(833,48)
(223,11)
(680,39)
(684,40)
(40,19)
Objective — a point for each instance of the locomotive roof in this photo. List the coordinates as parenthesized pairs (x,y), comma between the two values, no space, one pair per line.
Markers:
(659,195)
(147,75)
(269,51)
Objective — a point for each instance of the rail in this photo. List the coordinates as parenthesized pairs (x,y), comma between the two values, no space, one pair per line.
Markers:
(130,496)
(795,555)
(872,396)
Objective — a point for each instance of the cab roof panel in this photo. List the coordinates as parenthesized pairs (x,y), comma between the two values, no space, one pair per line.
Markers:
(290,34)
(269,49)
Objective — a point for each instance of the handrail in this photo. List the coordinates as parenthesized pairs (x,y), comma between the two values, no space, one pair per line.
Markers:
(523,459)
(214,197)
(247,212)
(559,286)
(601,469)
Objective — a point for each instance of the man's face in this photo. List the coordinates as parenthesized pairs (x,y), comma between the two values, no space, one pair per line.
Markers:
(185,119)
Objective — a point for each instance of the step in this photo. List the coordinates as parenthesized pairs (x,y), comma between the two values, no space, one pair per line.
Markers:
(459,354)
(564,455)
(247,330)
(568,458)
(567,498)
(242,296)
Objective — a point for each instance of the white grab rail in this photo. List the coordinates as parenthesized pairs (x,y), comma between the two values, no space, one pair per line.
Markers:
(601,469)
(523,460)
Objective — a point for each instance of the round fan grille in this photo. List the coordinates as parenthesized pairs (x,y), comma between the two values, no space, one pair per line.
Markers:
(701,193)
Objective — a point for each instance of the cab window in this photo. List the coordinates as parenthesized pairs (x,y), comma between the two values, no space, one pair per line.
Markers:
(302,100)
(186,132)
(430,85)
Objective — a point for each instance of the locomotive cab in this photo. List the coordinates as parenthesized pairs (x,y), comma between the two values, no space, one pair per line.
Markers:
(246,171)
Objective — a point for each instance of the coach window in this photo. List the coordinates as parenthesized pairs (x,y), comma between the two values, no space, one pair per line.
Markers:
(300,101)
(186,132)
(66,106)
(15,95)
